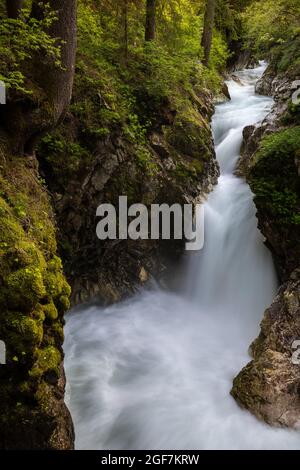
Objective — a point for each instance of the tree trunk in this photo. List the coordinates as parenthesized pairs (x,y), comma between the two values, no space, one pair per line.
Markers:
(13,8)
(58,82)
(207,35)
(125,20)
(26,120)
(150,20)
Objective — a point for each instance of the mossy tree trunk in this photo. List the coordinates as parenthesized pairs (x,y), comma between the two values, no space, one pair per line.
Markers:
(150,28)
(207,35)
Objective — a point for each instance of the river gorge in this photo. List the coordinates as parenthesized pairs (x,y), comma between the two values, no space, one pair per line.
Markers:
(155,371)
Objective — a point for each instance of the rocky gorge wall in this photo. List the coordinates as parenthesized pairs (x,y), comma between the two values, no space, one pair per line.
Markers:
(269,385)
(33,299)
(174,163)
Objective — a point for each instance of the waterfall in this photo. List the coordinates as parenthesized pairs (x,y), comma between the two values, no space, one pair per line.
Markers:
(155,371)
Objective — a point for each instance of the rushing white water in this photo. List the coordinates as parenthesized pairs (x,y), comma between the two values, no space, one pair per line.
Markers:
(155,372)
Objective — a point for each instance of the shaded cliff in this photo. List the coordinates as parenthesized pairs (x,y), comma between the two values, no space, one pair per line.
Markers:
(170,161)
(34,297)
(269,385)
(138,126)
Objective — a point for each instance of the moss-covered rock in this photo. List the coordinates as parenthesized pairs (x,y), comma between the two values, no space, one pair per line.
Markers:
(34,295)
(269,385)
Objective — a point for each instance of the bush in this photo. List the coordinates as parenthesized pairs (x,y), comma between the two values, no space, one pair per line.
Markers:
(274,178)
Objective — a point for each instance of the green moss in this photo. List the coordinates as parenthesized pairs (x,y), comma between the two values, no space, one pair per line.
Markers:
(50,311)
(48,360)
(188,169)
(43,396)
(10,231)
(190,135)
(145,160)
(56,284)
(34,293)
(25,207)
(24,253)
(292,115)
(65,155)
(24,333)
(25,288)
(63,303)
(54,265)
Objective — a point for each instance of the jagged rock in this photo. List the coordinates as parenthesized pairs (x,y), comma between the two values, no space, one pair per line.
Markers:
(252,136)
(264,84)
(241,59)
(101,174)
(159,144)
(236,79)
(269,385)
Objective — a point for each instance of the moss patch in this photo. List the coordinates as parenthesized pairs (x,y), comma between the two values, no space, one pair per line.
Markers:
(34,293)
(274,178)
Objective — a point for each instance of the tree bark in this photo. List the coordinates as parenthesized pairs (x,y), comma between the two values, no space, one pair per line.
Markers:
(150,27)
(125,20)
(58,82)
(13,8)
(207,35)
(26,119)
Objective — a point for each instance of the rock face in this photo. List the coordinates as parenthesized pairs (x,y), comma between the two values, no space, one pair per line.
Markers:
(34,296)
(281,89)
(269,386)
(241,59)
(176,164)
(281,232)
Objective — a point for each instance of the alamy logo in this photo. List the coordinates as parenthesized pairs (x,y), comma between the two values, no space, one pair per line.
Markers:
(296,94)
(162,221)
(2,92)
(2,353)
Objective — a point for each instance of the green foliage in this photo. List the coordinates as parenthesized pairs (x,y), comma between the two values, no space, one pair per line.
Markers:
(20,40)
(286,57)
(145,162)
(164,64)
(218,58)
(65,156)
(274,178)
(113,92)
(280,144)
(271,23)
(292,115)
